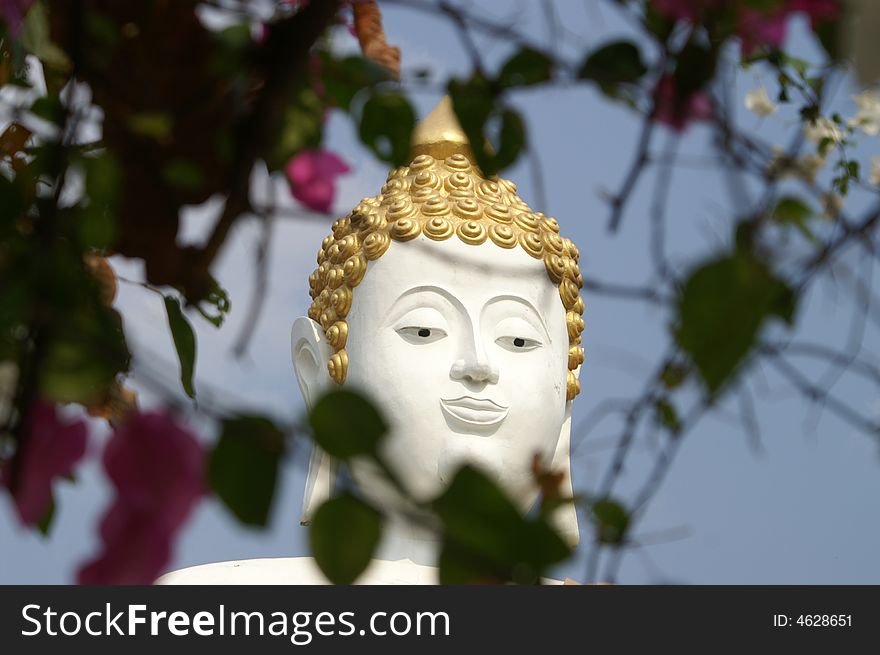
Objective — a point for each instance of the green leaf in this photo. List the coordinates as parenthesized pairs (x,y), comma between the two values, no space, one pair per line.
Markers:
(346,424)
(44,525)
(525,68)
(475,105)
(829,33)
(85,346)
(184,343)
(460,565)
(673,376)
(694,69)
(302,127)
(473,101)
(97,224)
(795,212)
(48,108)
(102,33)
(810,114)
(486,538)
(232,57)
(386,123)
(36,39)
(73,374)
(667,415)
(183,174)
(343,79)
(236,38)
(817,84)
(11,207)
(612,521)
(613,64)
(722,307)
(243,467)
(764,5)
(853,169)
(658,23)
(344,534)
(801,66)
(512,139)
(791,210)
(218,300)
(83,359)
(156,125)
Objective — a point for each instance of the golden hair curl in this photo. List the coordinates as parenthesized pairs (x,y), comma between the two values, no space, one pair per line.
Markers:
(440,199)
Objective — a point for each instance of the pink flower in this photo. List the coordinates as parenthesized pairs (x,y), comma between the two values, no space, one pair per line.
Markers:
(757,28)
(13,12)
(671,109)
(688,10)
(346,16)
(156,467)
(51,450)
(260,32)
(819,11)
(135,550)
(312,175)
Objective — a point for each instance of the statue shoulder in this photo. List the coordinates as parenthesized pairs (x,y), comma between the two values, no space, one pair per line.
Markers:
(281,571)
(295,571)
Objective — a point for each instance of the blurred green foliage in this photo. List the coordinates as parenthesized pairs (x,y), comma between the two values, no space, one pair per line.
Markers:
(184,343)
(344,534)
(243,467)
(187,112)
(723,305)
(487,539)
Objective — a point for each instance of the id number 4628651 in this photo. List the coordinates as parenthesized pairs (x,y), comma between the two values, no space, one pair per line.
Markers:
(813,620)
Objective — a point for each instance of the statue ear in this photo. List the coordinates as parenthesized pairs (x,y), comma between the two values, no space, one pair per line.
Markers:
(565,517)
(310,353)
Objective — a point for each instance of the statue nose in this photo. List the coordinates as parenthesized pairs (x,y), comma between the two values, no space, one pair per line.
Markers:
(474,369)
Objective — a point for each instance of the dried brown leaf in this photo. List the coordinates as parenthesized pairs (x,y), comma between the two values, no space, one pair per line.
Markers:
(371,35)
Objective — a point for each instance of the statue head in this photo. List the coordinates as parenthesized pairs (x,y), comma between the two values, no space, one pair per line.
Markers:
(456,308)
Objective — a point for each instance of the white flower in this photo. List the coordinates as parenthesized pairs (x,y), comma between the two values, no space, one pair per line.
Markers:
(868,117)
(759,103)
(806,168)
(809,166)
(780,164)
(874,177)
(832,204)
(823,128)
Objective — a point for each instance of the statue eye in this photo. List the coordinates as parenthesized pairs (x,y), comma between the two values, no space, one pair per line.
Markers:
(518,344)
(421,335)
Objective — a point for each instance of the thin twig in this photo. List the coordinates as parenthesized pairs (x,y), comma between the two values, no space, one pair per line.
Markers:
(640,161)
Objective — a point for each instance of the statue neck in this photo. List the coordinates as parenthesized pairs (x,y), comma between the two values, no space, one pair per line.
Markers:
(403,539)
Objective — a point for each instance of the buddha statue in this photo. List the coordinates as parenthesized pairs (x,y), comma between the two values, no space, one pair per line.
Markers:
(456,308)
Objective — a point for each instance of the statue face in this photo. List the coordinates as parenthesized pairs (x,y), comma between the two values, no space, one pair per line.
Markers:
(465,348)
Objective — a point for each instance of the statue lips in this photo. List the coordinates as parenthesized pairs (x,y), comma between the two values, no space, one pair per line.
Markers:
(478,412)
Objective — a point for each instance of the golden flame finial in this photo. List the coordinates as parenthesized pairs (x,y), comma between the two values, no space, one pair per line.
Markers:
(440,194)
(440,134)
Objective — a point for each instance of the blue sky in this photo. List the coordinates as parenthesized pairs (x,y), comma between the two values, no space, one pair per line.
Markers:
(801,509)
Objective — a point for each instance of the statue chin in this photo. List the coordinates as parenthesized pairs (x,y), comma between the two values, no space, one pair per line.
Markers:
(460,317)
